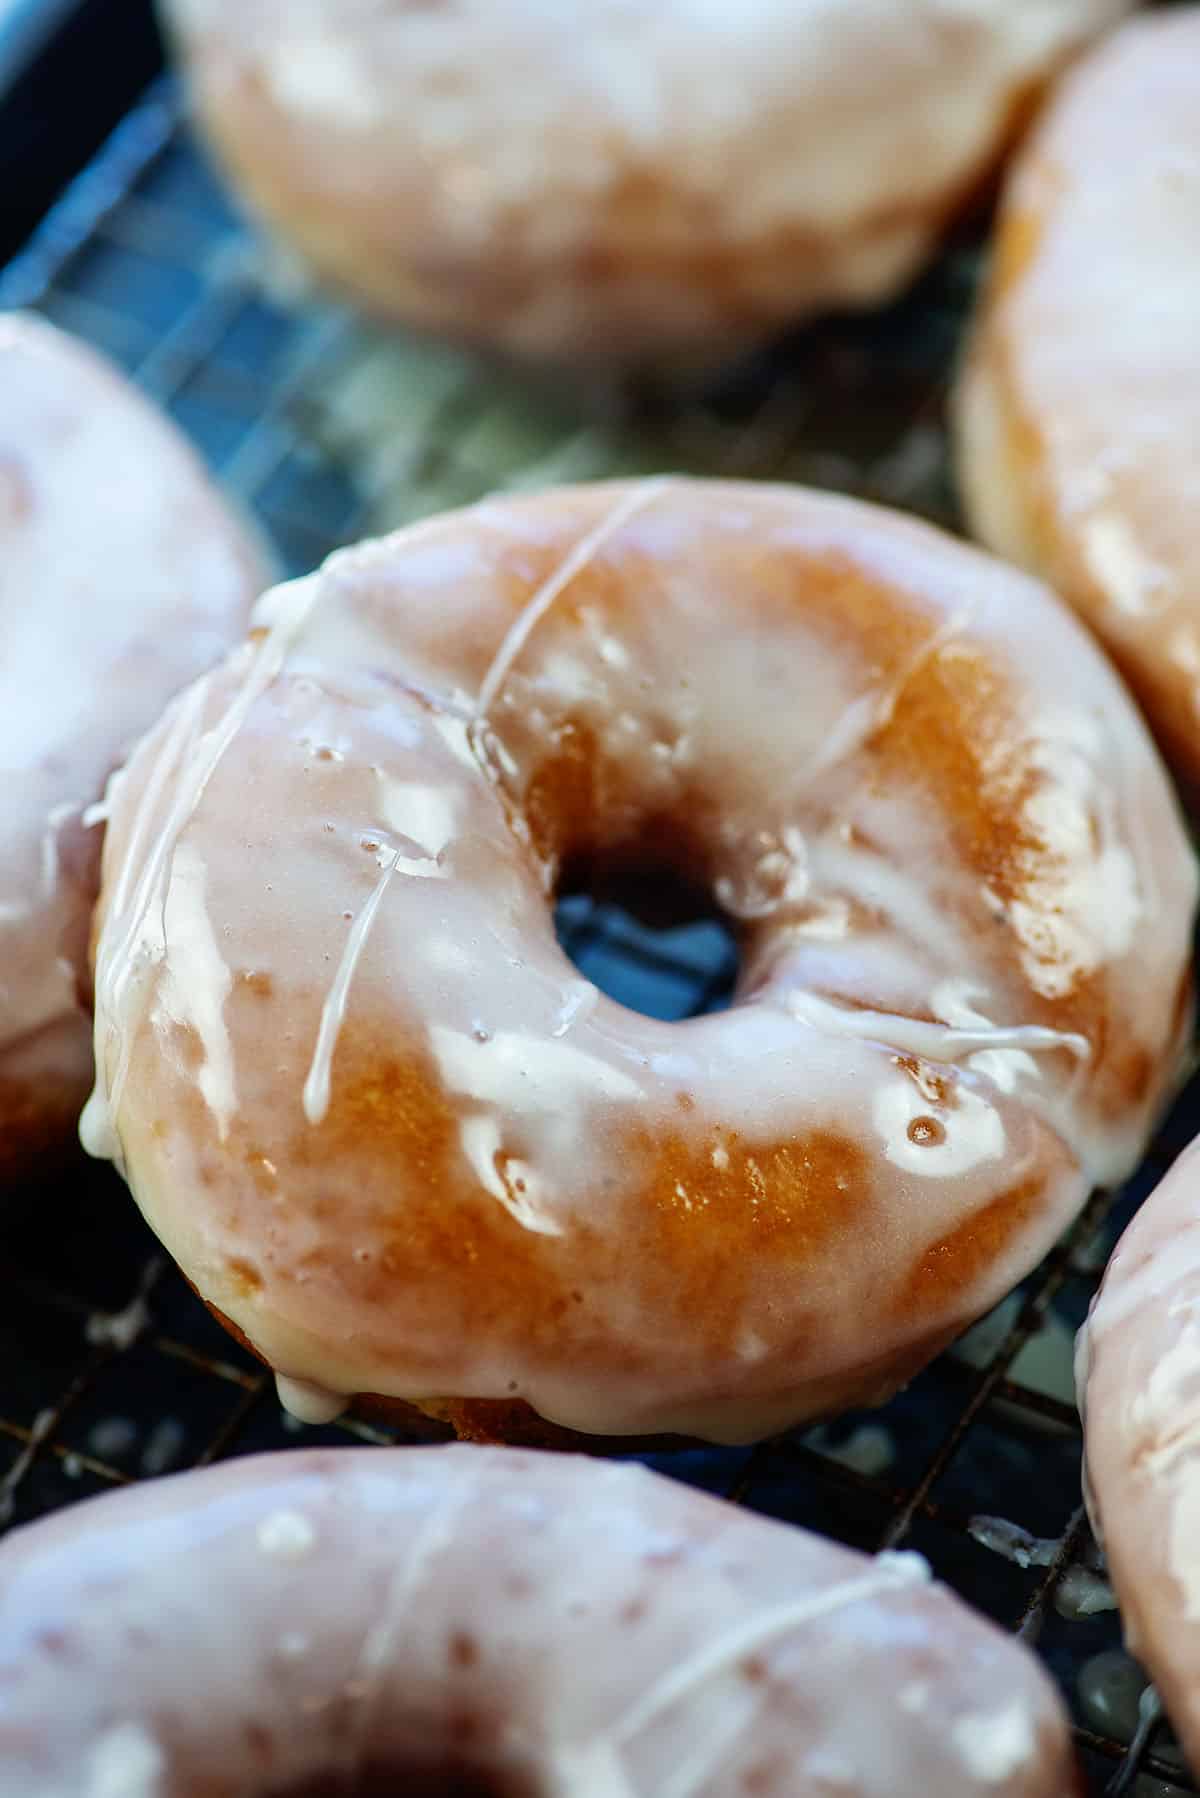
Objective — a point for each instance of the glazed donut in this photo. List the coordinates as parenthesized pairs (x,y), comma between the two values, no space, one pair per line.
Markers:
(1138,1377)
(493,1624)
(612,180)
(122,575)
(392,1135)
(1078,428)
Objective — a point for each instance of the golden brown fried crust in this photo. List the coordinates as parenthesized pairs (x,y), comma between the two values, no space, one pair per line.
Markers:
(724,1228)
(515,1423)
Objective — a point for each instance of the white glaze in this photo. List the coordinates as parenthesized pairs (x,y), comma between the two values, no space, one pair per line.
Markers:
(146,934)
(316,1082)
(996,1744)
(112,595)
(1013,1542)
(125,1762)
(368,837)
(287,1535)
(197,983)
(1079,446)
(888,1573)
(1081,1593)
(1138,1367)
(635,500)
(676,179)
(626,1636)
(308,1403)
(120,1329)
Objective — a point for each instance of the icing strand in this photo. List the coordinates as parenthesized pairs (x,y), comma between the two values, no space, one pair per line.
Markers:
(435,1538)
(97,1126)
(333,1011)
(933,1042)
(890,1572)
(572,565)
(874,711)
(115,967)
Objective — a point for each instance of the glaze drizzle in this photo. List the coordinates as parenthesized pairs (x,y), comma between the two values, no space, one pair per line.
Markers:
(846,727)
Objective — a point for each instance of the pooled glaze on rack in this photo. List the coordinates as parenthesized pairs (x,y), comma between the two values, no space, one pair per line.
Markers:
(499,1623)
(122,575)
(393,1136)
(1138,1374)
(676,179)
(1079,428)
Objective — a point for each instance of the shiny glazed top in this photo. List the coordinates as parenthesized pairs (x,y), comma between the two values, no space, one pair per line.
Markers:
(1138,1374)
(611,179)
(1079,416)
(122,575)
(525,1626)
(391,1133)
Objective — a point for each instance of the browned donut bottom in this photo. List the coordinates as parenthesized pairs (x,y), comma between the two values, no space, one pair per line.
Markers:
(514,1423)
(380,1780)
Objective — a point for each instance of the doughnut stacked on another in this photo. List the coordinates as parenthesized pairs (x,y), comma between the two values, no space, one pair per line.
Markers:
(123,574)
(614,181)
(1079,406)
(397,1141)
(496,1625)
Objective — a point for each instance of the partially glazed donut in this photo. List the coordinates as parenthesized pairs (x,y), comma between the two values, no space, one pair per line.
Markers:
(614,180)
(394,1137)
(1078,420)
(1138,1371)
(492,1624)
(122,575)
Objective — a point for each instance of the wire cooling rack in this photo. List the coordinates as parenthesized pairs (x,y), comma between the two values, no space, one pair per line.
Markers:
(110,1370)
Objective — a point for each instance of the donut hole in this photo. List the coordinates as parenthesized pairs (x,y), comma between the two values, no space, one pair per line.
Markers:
(648,937)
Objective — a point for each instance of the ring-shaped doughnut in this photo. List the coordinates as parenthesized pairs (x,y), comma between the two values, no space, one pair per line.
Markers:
(484,1623)
(610,180)
(394,1137)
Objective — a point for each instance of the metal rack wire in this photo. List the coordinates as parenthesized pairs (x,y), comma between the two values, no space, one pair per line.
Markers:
(110,1370)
